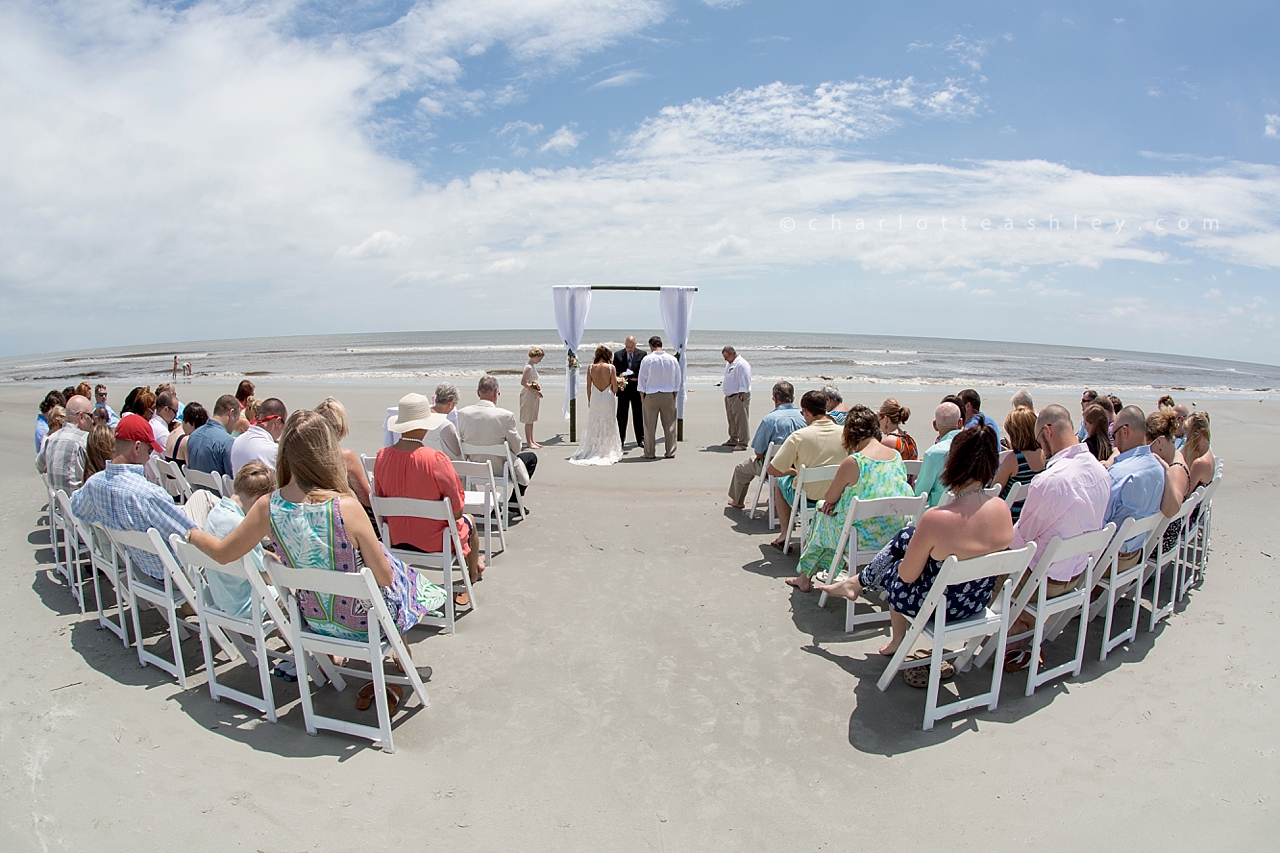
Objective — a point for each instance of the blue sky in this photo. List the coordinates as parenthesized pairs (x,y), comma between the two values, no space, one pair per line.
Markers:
(288,168)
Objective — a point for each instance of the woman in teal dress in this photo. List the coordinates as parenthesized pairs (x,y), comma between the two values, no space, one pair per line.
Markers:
(871,471)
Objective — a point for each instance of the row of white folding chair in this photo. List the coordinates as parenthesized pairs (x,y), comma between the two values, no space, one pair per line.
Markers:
(382,640)
(912,466)
(1117,584)
(765,481)
(444,560)
(170,476)
(57,531)
(849,553)
(1197,539)
(214,482)
(77,548)
(506,481)
(803,505)
(1172,554)
(931,623)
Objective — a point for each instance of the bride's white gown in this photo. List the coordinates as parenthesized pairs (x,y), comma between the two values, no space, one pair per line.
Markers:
(600,444)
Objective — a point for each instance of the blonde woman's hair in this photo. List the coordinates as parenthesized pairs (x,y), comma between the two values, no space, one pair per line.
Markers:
(895,412)
(309,453)
(56,417)
(1161,422)
(250,412)
(1198,437)
(99,449)
(534,352)
(1020,426)
(254,480)
(336,414)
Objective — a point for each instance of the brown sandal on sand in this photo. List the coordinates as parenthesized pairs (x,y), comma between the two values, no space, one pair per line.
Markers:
(918,676)
(364,698)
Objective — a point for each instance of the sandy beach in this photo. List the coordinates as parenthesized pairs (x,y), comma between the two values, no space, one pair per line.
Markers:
(637,677)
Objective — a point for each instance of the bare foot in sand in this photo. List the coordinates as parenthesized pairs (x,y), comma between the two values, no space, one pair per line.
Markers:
(846,587)
(889,650)
(801,582)
(737,506)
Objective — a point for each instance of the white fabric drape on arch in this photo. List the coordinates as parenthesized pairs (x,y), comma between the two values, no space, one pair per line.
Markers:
(676,306)
(572,301)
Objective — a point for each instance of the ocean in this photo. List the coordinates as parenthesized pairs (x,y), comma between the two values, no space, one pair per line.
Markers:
(852,362)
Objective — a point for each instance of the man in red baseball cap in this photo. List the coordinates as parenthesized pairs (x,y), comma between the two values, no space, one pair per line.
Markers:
(122,498)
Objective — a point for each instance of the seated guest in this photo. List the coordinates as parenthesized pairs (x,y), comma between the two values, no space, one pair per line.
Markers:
(254,480)
(243,395)
(99,449)
(1137,481)
(1116,405)
(870,471)
(1087,399)
(892,416)
(140,401)
(836,409)
(1196,451)
(100,403)
(259,441)
(248,415)
(972,525)
(84,389)
(1181,412)
(485,424)
(410,469)
(442,431)
(1022,400)
(971,411)
(946,422)
(336,415)
(817,444)
(192,418)
(165,414)
(1067,499)
(1097,430)
(122,498)
(1177,477)
(1165,402)
(314,522)
(53,398)
(56,417)
(773,429)
(1025,458)
(209,448)
(63,454)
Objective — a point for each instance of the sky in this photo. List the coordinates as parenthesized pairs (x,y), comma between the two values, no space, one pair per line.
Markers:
(1095,174)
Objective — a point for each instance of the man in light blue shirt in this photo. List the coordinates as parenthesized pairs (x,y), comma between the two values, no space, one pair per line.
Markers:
(209,447)
(973,414)
(1137,480)
(946,420)
(773,429)
(100,402)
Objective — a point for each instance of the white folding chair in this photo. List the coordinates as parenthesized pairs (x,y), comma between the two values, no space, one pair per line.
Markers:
(1197,539)
(801,511)
(765,482)
(170,476)
(57,531)
(444,560)
(1051,615)
(912,466)
(382,639)
(850,554)
(948,496)
(931,622)
(482,502)
(1171,556)
(108,562)
(228,485)
(264,618)
(1118,583)
(166,593)
(367,462)
(204,480)
(1017,493)
(506,481)
(77,548)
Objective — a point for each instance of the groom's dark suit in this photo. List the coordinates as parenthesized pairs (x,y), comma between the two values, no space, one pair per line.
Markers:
(629,399)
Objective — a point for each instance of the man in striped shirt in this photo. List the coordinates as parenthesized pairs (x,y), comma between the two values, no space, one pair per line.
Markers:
(63,453)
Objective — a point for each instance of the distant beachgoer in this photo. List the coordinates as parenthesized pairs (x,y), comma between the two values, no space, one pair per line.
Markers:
(186,369)
(1025,458)
(737,397)
(175,368)
(837,409)
(531,395)
(892,416)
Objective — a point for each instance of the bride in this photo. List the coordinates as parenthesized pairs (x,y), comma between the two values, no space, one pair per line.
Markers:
(600,443)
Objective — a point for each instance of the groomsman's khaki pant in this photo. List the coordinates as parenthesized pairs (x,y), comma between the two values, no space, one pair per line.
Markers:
(661,403)
(736,410)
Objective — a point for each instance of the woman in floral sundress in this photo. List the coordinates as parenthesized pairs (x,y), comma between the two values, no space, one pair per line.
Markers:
(871,471)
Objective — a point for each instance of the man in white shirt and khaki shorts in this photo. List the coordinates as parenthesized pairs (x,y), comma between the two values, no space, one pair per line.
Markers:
(659,383)
(737,397)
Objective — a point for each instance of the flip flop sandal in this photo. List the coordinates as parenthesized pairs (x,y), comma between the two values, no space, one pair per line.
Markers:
(777,545)
(461,599)
(364,699)
(918,676)
(1017,660)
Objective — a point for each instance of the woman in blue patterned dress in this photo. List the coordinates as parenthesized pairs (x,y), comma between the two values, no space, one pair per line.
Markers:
(315,522)
(871,471)
(970,526)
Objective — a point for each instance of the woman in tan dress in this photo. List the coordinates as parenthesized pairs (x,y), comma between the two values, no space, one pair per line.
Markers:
(531,396)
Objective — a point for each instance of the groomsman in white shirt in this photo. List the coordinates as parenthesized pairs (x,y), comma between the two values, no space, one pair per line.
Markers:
(659,383)
(737,397)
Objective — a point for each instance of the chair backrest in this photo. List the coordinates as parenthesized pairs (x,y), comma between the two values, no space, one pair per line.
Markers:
(199,563)
(472,470)
(228,486)
(955,570)
(205,480)
(819,473)
(912,466)
(1017,493)
(356,585)
(769,452)
(1094,544)
(910,507)
(367,462)
(153,543)
(1130,528)
(171,477)
(501,451)
(441,510)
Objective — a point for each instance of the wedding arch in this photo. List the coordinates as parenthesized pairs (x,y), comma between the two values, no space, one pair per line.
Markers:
(573,301)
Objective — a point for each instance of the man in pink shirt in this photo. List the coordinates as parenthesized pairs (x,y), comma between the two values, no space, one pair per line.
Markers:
(1068,498)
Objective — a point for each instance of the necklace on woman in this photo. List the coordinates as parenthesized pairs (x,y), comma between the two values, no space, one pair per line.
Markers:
(967,492)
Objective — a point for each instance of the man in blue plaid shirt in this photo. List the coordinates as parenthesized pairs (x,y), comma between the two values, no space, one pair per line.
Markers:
(122,498)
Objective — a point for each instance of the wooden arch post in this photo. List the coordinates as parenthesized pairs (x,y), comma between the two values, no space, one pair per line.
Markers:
(573,404)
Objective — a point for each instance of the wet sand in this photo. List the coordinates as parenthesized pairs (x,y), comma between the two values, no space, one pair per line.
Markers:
(637,676)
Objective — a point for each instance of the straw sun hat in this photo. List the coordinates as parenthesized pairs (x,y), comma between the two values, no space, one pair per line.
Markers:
(414,413)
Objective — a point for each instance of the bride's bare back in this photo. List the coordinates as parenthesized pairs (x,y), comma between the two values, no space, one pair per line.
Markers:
(602,377)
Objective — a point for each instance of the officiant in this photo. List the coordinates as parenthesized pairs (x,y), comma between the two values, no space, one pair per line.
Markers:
(626,362)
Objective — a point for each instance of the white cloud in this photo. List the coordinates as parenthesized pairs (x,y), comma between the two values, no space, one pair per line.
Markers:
(624,78)
(380,244)
(562,141)
(1273,126)
(726,247)
(1213,293)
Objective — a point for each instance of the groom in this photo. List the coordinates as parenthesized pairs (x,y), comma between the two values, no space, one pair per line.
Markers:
(628,359)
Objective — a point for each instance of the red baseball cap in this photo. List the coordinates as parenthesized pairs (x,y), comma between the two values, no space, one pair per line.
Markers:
(135,428)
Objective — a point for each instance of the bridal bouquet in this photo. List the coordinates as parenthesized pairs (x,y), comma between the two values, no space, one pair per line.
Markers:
(622,383)
(535,385)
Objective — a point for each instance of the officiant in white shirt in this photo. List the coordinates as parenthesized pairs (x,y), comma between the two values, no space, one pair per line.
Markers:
(737,397)
(659,385)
